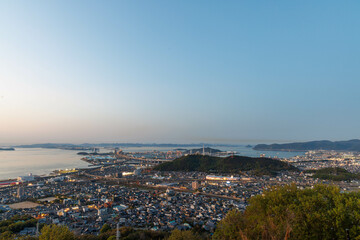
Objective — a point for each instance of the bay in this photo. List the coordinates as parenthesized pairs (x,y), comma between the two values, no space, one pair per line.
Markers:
(37,161)
(40,161)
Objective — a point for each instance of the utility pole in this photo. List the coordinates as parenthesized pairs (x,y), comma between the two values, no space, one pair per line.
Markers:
(118,235)
(37,229)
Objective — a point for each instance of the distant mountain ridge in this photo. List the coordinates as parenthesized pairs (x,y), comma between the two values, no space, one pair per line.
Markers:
(114,145)
(350,145)
(232,164)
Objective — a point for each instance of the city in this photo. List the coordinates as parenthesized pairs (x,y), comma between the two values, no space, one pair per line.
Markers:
(179,120)
(123,188)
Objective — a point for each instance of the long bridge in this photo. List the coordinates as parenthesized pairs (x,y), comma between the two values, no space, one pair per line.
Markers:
(143,160)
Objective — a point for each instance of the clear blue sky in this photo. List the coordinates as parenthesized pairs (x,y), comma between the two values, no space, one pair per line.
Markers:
(179,71)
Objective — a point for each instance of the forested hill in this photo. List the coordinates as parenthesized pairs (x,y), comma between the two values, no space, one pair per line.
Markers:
(232,164)
(351,145)
(334,174)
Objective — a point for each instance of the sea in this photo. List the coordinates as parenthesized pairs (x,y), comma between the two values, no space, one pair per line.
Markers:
(41,161)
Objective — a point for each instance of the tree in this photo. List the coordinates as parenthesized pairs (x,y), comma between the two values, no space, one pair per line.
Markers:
(7,235)
(183,235)
(27,238)
(55,232)
(87,237)
(106,227)
(290,213)
(230,227)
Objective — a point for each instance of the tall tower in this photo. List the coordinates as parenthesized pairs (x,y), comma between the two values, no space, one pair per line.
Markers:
(203,150)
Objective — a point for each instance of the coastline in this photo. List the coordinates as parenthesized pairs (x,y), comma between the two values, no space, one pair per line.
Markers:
(52,174)
(38,161)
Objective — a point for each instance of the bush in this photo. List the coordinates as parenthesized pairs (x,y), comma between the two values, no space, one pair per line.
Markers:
(289,213)
(184,235)
(106,227)
(54,232)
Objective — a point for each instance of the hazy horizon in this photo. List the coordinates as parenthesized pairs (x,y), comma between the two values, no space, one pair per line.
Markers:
(229,143)
(179,72)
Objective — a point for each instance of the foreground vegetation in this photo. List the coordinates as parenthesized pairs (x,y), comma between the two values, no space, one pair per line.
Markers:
(15,225)
(57,232)
(280,213)
(232,164)
(290,213)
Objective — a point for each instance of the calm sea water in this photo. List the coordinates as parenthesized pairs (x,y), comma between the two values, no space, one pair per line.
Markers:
(37,161)
(40,161)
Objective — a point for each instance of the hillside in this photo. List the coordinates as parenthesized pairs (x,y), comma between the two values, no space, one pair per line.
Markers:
(335,174)
(232,164)
(351,145)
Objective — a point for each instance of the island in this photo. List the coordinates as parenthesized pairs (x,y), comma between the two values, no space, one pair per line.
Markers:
(7,149)
(350,145)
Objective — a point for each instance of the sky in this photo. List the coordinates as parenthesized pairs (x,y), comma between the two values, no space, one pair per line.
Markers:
(179,71)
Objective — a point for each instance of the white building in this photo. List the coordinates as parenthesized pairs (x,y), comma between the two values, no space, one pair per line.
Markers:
(28,178)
